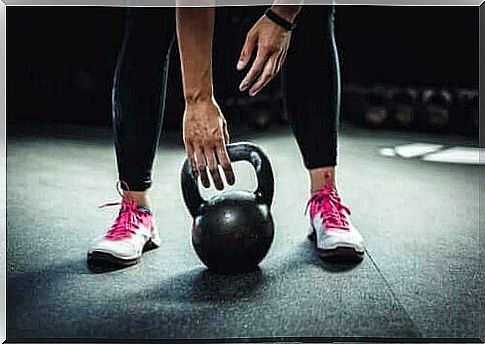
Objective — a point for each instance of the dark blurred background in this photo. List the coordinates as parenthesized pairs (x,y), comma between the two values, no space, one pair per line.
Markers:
(403,68)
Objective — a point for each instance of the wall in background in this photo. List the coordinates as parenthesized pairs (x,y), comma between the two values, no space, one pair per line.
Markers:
(60,60)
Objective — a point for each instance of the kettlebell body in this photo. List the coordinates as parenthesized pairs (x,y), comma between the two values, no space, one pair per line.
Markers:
(233,230)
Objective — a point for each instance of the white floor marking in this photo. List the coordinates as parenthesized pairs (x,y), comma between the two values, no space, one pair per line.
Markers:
(459,155)
(387,151)
(416,149)
(437,153)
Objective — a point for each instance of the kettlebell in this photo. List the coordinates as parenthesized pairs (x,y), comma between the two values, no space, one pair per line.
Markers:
(233,230)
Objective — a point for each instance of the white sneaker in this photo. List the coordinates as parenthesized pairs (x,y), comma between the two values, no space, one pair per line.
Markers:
(331,229)
(132,233)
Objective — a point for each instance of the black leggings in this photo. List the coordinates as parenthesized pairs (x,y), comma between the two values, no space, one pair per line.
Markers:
(140,83)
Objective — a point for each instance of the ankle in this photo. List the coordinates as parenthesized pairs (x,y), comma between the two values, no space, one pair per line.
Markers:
(139,197)
(321,177)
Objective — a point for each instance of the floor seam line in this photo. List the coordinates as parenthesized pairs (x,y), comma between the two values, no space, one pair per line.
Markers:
(394,295)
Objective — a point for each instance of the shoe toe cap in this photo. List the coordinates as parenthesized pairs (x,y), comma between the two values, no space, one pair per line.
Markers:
(343,238)
(119,248)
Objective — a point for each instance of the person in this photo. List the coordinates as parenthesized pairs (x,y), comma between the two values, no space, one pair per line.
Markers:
(300,36)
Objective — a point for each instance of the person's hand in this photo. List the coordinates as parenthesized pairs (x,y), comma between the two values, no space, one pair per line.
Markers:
(205,138)
(271,41)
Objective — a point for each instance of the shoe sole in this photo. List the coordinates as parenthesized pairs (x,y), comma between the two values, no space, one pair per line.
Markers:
(339,253)
(105,259)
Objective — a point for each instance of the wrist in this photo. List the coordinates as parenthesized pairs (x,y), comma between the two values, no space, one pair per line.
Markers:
(198,96)
(287,12)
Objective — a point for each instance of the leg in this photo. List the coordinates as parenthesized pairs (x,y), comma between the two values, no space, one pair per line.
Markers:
(313,95)
(138,96)
(313,92)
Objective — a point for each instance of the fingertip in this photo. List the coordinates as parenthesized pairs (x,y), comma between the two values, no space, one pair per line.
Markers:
(231,179)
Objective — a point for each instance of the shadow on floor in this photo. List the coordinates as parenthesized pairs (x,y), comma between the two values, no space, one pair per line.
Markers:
(305,255)
(297,259)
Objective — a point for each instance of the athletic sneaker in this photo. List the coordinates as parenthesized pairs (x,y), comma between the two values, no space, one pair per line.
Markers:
(132,233)
(331,229)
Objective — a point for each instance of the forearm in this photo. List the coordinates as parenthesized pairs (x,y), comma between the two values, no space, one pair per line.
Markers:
(195,27)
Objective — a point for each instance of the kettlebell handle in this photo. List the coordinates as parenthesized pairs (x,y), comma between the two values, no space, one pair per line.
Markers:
(243,151)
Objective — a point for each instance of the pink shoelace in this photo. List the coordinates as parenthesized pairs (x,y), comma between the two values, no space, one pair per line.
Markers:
(328,203)
(129,218)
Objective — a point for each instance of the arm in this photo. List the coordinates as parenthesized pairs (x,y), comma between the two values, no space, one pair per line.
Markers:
(272,42)
(195,27)
(205,129)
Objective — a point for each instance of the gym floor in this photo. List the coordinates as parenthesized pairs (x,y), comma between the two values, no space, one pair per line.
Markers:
(419,278)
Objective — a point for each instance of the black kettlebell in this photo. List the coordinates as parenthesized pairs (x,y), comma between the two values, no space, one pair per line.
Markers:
(233,230)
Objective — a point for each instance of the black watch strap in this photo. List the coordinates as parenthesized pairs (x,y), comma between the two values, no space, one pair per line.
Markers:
(288,26)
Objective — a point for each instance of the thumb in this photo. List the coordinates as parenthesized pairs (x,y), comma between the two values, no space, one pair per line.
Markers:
(226,135)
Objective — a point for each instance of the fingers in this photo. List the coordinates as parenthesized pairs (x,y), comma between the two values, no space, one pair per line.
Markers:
(225,162)
(201,167)
(192,160)
(269,72)
(223,157)
(255,70)
(210,157)
(213,169)
(246,51)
